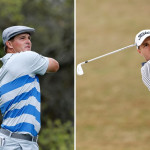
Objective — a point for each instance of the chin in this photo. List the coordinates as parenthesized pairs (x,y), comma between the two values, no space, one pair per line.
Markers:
(27,50)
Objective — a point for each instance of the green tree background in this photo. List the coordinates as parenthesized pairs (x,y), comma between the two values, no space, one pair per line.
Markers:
(54,37)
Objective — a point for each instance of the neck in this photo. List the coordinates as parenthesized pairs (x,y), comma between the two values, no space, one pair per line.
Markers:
(11,51)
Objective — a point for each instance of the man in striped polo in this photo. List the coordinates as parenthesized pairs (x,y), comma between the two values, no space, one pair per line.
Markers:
(20,90)
(142,41)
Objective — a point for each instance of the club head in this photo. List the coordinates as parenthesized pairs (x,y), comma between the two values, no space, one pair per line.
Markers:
(79,70)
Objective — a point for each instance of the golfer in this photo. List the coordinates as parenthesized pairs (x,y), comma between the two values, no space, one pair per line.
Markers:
(142,41)
(20,90)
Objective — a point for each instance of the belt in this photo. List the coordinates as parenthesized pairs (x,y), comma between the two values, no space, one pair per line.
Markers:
(19,136)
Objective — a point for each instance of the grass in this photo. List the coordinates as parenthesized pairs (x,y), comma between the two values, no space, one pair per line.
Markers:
(111,100)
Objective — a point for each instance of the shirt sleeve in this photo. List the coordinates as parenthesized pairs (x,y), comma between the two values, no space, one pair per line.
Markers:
(36,63)
(145,71)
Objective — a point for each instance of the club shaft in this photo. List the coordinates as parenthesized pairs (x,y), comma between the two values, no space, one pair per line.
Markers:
(109,53)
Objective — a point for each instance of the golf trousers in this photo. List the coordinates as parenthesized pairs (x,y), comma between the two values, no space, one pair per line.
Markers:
(17,144)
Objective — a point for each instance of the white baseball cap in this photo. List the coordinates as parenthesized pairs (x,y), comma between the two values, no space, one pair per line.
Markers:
(141,36)
(10,32)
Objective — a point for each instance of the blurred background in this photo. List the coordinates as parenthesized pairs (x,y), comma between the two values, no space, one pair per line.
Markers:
(54,37)
(113,104)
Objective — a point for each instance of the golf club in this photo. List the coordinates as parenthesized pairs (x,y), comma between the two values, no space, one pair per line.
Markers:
(79,67)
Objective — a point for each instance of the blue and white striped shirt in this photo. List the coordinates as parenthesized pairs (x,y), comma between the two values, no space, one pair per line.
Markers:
(20,91)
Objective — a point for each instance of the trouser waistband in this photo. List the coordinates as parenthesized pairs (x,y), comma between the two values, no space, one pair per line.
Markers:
(19,136)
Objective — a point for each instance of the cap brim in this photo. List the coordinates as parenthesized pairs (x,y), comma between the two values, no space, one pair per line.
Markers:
(30,31)
(142,40)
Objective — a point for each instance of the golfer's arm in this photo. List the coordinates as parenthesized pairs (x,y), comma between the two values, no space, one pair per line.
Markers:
(53,65)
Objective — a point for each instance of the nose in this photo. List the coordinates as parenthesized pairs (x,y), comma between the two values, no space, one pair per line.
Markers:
(28,41)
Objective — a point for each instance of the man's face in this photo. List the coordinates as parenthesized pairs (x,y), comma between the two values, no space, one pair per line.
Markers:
(144,49)
(21,42)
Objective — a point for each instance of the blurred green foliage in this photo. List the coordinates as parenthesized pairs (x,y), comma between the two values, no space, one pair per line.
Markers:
(57,136)
(54,37)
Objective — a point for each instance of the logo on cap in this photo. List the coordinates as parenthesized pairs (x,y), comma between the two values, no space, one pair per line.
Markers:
(142,34)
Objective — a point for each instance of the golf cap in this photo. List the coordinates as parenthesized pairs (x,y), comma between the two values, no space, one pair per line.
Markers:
(10,32)
(141,36)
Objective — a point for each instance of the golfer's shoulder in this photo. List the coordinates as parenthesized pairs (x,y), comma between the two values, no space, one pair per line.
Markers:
(27,55)
(146,67)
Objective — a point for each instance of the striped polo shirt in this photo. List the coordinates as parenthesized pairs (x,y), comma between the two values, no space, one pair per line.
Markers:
(20,91)
(145,71)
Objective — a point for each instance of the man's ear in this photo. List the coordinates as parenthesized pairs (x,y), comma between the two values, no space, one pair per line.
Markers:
(139,51)
(9,44)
